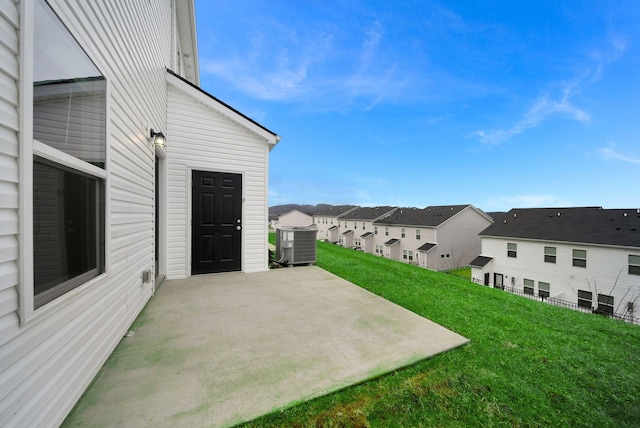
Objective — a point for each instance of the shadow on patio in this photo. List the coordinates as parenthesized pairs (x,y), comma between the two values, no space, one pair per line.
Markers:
(217,350)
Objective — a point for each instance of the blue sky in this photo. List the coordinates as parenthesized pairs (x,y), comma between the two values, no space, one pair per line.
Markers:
(500,104)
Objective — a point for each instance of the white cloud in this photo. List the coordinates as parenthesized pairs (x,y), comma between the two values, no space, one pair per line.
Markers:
(562,104)
(609,153)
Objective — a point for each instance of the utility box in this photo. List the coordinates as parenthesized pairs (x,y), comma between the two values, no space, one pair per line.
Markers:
(296,245)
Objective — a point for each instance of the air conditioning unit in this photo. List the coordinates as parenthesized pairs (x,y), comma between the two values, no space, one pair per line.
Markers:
(296,245)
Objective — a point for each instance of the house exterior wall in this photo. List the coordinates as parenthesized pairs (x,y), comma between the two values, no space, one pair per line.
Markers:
(606,271)
(202,139)
(294,218)
(323,224)
(49,355)
(458,237)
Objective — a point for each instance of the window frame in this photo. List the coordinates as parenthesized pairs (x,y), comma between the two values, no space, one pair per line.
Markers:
(634,264)
(582,294)
(529,286)
(29,148)
(604,307)
(418,234)
(402,232)
(545,292)
(512,250)
(550,254)
(579,261)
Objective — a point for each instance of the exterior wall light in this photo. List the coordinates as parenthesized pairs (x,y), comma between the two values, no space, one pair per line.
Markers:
(159,139)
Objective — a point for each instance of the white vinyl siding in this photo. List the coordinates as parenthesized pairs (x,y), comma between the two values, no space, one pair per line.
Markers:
(9,201)
(605,273)
(202,139)
(48,360)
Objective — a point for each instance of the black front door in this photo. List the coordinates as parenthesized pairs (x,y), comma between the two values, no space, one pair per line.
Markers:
(216,232)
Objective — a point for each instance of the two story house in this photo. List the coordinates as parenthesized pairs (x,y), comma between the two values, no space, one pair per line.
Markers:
(436,237)
(587,256)
(327,220)
(356,227)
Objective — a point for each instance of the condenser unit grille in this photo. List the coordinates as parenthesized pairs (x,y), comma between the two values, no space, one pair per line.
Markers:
(296,245)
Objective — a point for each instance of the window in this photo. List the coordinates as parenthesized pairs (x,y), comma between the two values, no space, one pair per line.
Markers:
(375,230)
(410,255)
(634,265)
(584,299)
(512,250)
(69,133)
(331,221)
(605,304)
(529,286)
(345,225)
(580,258)
(550,254)
(404,254)
(363,228)
(386,231)
(402,234)
(543,289)
(418,234)
(355,226)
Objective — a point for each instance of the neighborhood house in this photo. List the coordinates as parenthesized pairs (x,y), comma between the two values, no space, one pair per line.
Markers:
(587,257)
(436,237)
(118,171)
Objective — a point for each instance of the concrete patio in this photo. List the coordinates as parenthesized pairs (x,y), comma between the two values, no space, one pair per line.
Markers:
(217,350)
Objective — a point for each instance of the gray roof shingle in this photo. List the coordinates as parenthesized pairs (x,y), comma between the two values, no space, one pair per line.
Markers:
(431,216)
(589,225)
(480,261)
(367,213)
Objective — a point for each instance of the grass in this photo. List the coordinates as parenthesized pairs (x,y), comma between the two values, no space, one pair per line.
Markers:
(529,364)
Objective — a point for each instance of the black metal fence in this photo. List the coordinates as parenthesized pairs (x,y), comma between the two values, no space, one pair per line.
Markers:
(627,317)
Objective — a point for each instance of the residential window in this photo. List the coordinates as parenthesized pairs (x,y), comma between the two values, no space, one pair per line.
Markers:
(418,234)
(550,254)
(386,231)
(345,225)
(404,254)
(355,226)
(605,304)
(585,298)
(331,221)
(634,265)
(402,234)
(529,286)
(363,228)
(512,250)
(69,162)
(544,289)
(410,255)
(375,230)
(580,258)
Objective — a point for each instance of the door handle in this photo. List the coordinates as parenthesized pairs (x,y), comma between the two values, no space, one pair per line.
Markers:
(238,227)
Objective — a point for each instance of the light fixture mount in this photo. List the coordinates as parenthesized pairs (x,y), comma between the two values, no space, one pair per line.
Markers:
(158,138)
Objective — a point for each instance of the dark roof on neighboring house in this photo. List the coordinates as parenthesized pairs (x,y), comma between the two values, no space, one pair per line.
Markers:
(589,225)
(367,213)
(427,246)
(333,227)
(392,241)
(430,216)
(346,232)
(366,235)
(480,261)
(335,210)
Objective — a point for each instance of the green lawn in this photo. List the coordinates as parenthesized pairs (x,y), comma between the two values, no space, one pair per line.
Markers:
(529,364)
